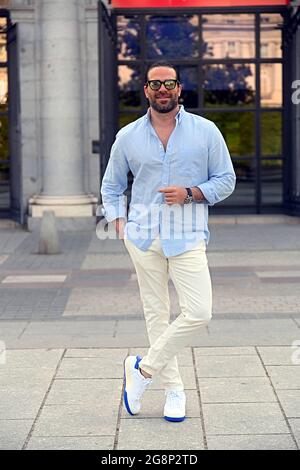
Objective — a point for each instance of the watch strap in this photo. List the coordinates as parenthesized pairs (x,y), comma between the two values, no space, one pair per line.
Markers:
(189,191)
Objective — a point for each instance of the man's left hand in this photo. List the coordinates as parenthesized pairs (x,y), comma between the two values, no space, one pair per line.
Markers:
(174,194)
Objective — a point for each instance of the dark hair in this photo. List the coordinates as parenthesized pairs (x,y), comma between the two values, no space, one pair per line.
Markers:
(162,63)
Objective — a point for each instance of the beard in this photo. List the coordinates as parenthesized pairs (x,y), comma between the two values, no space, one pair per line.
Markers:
(163,108)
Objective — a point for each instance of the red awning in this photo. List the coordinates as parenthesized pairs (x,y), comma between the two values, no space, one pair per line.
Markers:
(194,3)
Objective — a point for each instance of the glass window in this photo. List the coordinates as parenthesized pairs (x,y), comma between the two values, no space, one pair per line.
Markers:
(3,86)
(3,52)
(4,163)
(219,31)
(264,50)
(271,85)
(229,85)
(129,87)
(271,35)
(238,129)
(4,186)
(3,136)
(271,133)
(3,24)
(127,118)
(128,29)
(189,81)
(172,37)
(244,193)
(232,47)
(271,181)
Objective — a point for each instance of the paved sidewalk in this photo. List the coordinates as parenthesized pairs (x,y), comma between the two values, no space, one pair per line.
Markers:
(67,322)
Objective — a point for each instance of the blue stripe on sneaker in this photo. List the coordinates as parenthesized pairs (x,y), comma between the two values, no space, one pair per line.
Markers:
(125,393)
(127,404)
(174,420)
(138,360)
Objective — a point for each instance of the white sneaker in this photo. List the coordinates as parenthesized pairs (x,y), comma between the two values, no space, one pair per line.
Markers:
(174,409)
(135,384)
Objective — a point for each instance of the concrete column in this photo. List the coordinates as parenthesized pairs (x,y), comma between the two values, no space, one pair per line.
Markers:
(61,113)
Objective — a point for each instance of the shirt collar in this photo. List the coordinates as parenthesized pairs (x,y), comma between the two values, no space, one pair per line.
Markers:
(178,116)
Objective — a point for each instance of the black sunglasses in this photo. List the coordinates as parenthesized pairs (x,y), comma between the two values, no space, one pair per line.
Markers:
(156,84)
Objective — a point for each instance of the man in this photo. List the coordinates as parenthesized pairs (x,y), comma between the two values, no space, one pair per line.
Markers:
(181,165)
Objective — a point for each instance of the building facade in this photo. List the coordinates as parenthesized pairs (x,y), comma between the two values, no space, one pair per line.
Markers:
(71,75)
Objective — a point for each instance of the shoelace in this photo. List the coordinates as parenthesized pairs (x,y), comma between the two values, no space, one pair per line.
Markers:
(175,398)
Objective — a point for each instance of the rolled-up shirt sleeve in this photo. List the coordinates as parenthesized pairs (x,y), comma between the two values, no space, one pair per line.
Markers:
(221,175)
(114,183)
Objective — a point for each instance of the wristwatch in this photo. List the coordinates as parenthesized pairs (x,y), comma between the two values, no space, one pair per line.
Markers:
(189,197)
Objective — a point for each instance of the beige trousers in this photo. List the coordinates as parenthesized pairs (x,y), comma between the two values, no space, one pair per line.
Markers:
(190,275)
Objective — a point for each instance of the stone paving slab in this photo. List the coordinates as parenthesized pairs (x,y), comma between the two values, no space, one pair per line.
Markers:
(17,402)
(254,258)
(132,327)
(255,303)
(13,433)
(70,420)
(32,302)
(71,443)
(11,239)
(157,433)
(295,425)
(247,332)
(64,334)
(20,391)
(41,278)
(237,389)
(251,442)
(11,328)
(107,355)
(244,418)
(24,381)
(81,391)
(104,260)
(107,246)
(278,355)
(34,358)
(103,339)
(226,351)
(285,377)
(229,366)
(10,375)
(51,328)
(90,367)
(96,300)
(278,274)
(290,402)
(275,236)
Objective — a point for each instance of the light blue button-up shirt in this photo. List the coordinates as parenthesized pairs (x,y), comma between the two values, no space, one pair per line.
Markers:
(196,155)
